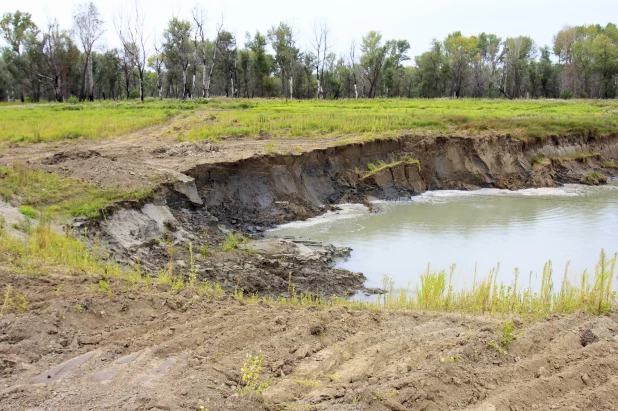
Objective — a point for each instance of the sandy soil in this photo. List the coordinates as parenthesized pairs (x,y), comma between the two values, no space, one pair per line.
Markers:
(77,349)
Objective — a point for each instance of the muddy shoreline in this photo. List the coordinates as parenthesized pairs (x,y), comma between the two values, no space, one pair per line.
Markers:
(207,202)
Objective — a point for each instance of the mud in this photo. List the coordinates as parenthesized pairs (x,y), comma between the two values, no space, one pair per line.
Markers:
(152,349)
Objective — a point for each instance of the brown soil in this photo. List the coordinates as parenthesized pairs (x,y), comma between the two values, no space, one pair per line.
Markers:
(146,157)
(77,349)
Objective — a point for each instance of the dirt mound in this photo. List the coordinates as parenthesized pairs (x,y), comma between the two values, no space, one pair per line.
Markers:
(76,348)
(185,149)
(64,156)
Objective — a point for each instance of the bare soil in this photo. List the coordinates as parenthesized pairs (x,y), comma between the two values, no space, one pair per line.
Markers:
(147,157)
(78,349)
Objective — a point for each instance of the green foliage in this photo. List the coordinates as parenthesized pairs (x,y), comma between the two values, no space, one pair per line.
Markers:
(233,241)
(205,251)
(594,178)
(28,211)
(13,299)
(507,331)
(73,100)
(250,376)
(104,287)
(362,119)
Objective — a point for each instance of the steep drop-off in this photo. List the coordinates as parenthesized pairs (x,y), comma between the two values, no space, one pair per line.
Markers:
(271,189)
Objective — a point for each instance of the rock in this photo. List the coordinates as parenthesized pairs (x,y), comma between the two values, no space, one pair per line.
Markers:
(586,379)
(588,337)
(542,373)
(186,185)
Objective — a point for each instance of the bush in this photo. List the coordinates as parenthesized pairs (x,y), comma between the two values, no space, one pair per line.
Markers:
(72,100)
(566,95)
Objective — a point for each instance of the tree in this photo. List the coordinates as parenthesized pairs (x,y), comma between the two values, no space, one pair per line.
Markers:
(133,38)
(262,66)
(321,46)
(89,28)
(460,50)
(60,55)
(177,48)
(372,58)
(16,28)
(283,42)
(605,53)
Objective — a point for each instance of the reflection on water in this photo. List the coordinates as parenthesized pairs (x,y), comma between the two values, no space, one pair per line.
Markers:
(478,229)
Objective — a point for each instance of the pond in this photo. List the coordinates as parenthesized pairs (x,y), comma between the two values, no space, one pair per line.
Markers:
(476,231)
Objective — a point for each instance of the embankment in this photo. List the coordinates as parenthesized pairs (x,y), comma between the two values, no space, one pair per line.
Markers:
(270,189)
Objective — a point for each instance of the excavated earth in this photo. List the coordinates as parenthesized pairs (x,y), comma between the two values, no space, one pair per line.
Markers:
(75,348)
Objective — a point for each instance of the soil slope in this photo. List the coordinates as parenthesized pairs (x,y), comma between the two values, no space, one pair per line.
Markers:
(76,349)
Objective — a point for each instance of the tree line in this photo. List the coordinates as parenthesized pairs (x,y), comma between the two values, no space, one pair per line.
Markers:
(55,63)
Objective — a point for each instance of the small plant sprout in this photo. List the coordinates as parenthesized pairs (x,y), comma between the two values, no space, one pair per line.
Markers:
(250,376)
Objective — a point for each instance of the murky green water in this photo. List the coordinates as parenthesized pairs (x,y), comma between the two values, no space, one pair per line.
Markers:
(478,229)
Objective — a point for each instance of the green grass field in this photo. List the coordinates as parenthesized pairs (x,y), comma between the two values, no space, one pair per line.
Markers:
(220,118)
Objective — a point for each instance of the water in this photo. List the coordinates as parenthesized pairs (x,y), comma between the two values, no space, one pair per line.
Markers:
(477,229)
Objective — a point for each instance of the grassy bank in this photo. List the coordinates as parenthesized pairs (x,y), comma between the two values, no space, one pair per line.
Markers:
(45,251)
(50,194)
(220,118)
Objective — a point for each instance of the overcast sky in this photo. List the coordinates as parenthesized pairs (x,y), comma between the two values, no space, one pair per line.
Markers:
(416,21)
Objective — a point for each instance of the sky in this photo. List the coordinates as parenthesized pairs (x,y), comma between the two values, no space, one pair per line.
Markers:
(416,21)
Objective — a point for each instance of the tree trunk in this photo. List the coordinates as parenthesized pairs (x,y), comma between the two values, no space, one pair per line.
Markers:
(82,92)
(90,81)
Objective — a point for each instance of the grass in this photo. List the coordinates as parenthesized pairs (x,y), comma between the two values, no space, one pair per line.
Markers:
(51,194)
(45,251)
(374,169)
(582,157)
(34,123)
(221,118)
(594,178)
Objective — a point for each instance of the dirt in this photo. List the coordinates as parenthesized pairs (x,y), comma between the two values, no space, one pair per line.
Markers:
(77,349)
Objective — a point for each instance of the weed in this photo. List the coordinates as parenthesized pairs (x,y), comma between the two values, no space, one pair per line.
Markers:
(507,332)
(105,288)
(28,211)
(250,376)
(594,178)
(610,164)
(204,251)
(270,148)
(233,241)
(13,299)
(496,347)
